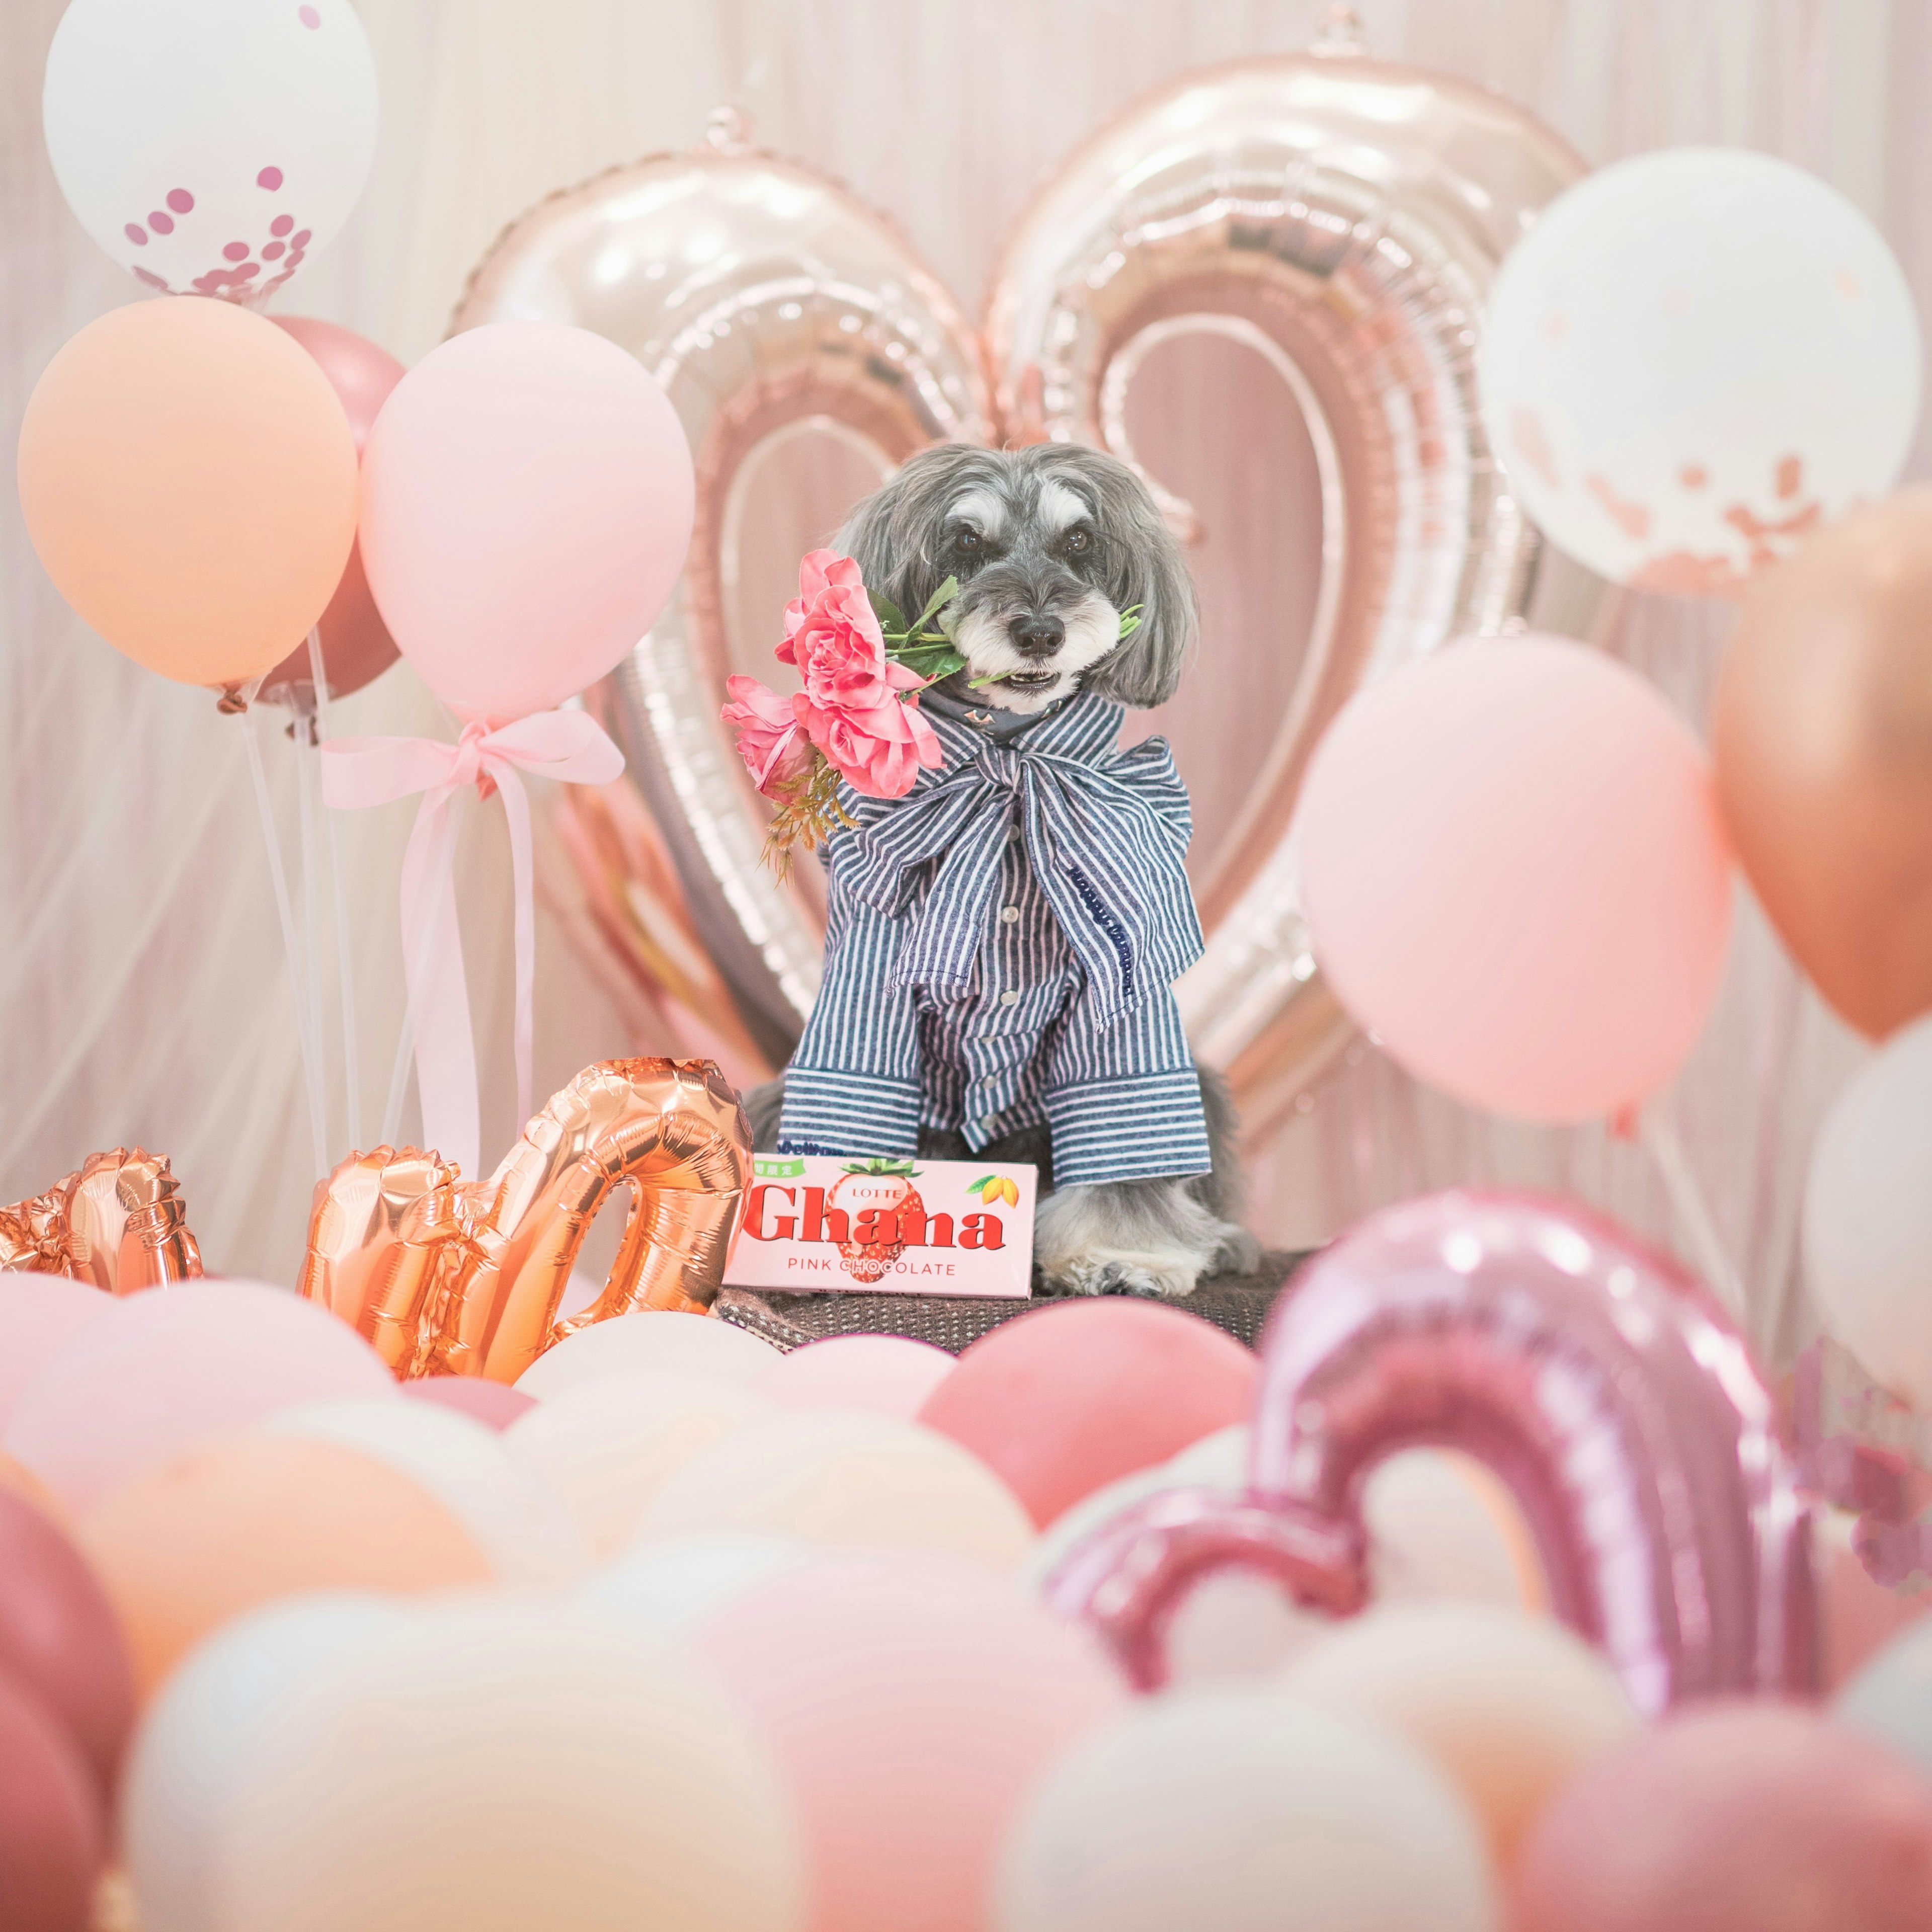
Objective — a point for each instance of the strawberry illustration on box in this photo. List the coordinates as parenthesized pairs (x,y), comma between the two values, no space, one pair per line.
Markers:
(893,1226)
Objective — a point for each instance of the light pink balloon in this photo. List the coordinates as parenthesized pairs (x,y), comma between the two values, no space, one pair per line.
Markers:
(40,1314)
(1516,875)
(495,1404)
(526,505)
(176,1364)
(911,1702)
(885,1374)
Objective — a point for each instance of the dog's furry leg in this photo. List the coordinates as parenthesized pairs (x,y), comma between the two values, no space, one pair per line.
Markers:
(1154,1237)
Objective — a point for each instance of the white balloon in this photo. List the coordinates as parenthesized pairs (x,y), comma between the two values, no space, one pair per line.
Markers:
(605,1448)
(497,1765)
(1693,357)
(1233,1810)
(525,1534)
(210,145)
(671,1588)
(194,1754)
(1868,1216)
(650,1338)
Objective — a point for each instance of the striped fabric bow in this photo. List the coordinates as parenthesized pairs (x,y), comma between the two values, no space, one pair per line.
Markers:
(568,745)
(1105,833)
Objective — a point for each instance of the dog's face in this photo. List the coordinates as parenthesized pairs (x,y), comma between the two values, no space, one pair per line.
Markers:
(1052,545)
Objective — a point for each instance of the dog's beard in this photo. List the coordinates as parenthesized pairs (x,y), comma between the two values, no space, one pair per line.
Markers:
(1026,685)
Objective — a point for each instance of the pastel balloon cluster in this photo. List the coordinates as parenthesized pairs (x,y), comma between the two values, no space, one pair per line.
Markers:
(680,1631)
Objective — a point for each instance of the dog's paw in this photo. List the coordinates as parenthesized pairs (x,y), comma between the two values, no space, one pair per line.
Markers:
(1239,1252)
(1164,1279)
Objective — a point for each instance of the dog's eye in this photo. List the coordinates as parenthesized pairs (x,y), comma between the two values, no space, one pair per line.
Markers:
(1079,541)
(968,542)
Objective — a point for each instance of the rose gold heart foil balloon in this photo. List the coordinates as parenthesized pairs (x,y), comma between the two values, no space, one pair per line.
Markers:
(1343,218)
(448,1277)
(1617,1402)
(767,302)
(119,1222)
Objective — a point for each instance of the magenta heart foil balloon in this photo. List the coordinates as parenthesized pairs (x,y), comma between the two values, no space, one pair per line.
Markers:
(1598,1380)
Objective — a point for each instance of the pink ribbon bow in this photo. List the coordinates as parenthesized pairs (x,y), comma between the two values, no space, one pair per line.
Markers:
(568,745)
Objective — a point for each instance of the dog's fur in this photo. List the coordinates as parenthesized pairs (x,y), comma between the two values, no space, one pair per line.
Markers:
(1051,544)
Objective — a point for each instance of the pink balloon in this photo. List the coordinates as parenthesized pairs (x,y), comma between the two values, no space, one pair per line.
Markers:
(1516,875)
(59,1638)
(1607,1391)
(1734,1818)
(53,1839)
(1067,1399)
(176,1364)
(526,505)
(495,1405)
(911,1702)
(356,647)
(886,1375)
(40,1314)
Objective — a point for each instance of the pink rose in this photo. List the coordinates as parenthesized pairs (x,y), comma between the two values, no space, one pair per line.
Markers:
(878,751)
(832,634)
(771,737)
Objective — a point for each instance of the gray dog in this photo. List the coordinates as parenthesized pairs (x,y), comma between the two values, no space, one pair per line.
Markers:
(1002,941)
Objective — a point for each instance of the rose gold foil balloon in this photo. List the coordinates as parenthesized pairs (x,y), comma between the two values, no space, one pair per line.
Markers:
(118,1221)
(356,647)
(445,1276)
(1605,1388)
(1822,735)
(802,309)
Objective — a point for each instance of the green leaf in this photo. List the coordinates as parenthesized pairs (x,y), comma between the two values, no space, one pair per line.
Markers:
(1130,620)
(890,617)
(931,661)
(981,1185)
(938,602)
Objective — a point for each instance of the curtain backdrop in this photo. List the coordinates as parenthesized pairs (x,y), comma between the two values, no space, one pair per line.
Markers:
(142,995)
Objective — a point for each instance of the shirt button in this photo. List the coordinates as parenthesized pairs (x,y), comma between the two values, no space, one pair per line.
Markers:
(1010,914)
(1012,835)
(1010,998)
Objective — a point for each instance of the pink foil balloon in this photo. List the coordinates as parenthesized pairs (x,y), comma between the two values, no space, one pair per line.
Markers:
(53,1840)
(1516,874)
(59,1638)
(912,1703)
(526,503)
(1593,1377)
(173,1366)
(885,1374)
(356,645)
(1734,1819)
(40,1314)
(1072,1397)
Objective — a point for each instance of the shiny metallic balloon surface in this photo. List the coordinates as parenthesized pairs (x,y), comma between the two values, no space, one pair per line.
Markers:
(765,299)
(1605,1389)
(119,1221)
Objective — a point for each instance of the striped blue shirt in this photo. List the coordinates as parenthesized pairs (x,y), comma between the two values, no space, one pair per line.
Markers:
(1000,953)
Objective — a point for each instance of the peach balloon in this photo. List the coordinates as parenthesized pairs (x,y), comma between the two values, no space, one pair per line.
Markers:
(660,1340)
(497,1765)
(40,1314)
(1509,1708)
(912,1703)
(190,1545)
(188,477)
(176,1364)
(845,1481)
(885,1375)
(605,1448)
(1516,875)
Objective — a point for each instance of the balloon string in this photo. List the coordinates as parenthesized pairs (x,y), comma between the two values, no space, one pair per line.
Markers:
(312,922)
(1693,1215)
(311,1073)
(352,1068)
(418,976)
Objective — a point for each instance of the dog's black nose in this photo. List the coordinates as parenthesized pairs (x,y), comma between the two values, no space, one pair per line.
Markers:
(1037,636)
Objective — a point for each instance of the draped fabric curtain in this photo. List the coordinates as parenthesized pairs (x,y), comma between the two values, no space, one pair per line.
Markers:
(142,993)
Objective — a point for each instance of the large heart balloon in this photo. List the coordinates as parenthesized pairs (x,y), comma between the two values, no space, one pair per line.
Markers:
(1339,217)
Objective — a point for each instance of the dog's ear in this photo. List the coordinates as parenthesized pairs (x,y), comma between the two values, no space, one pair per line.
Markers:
(892,534)
(1145,566)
